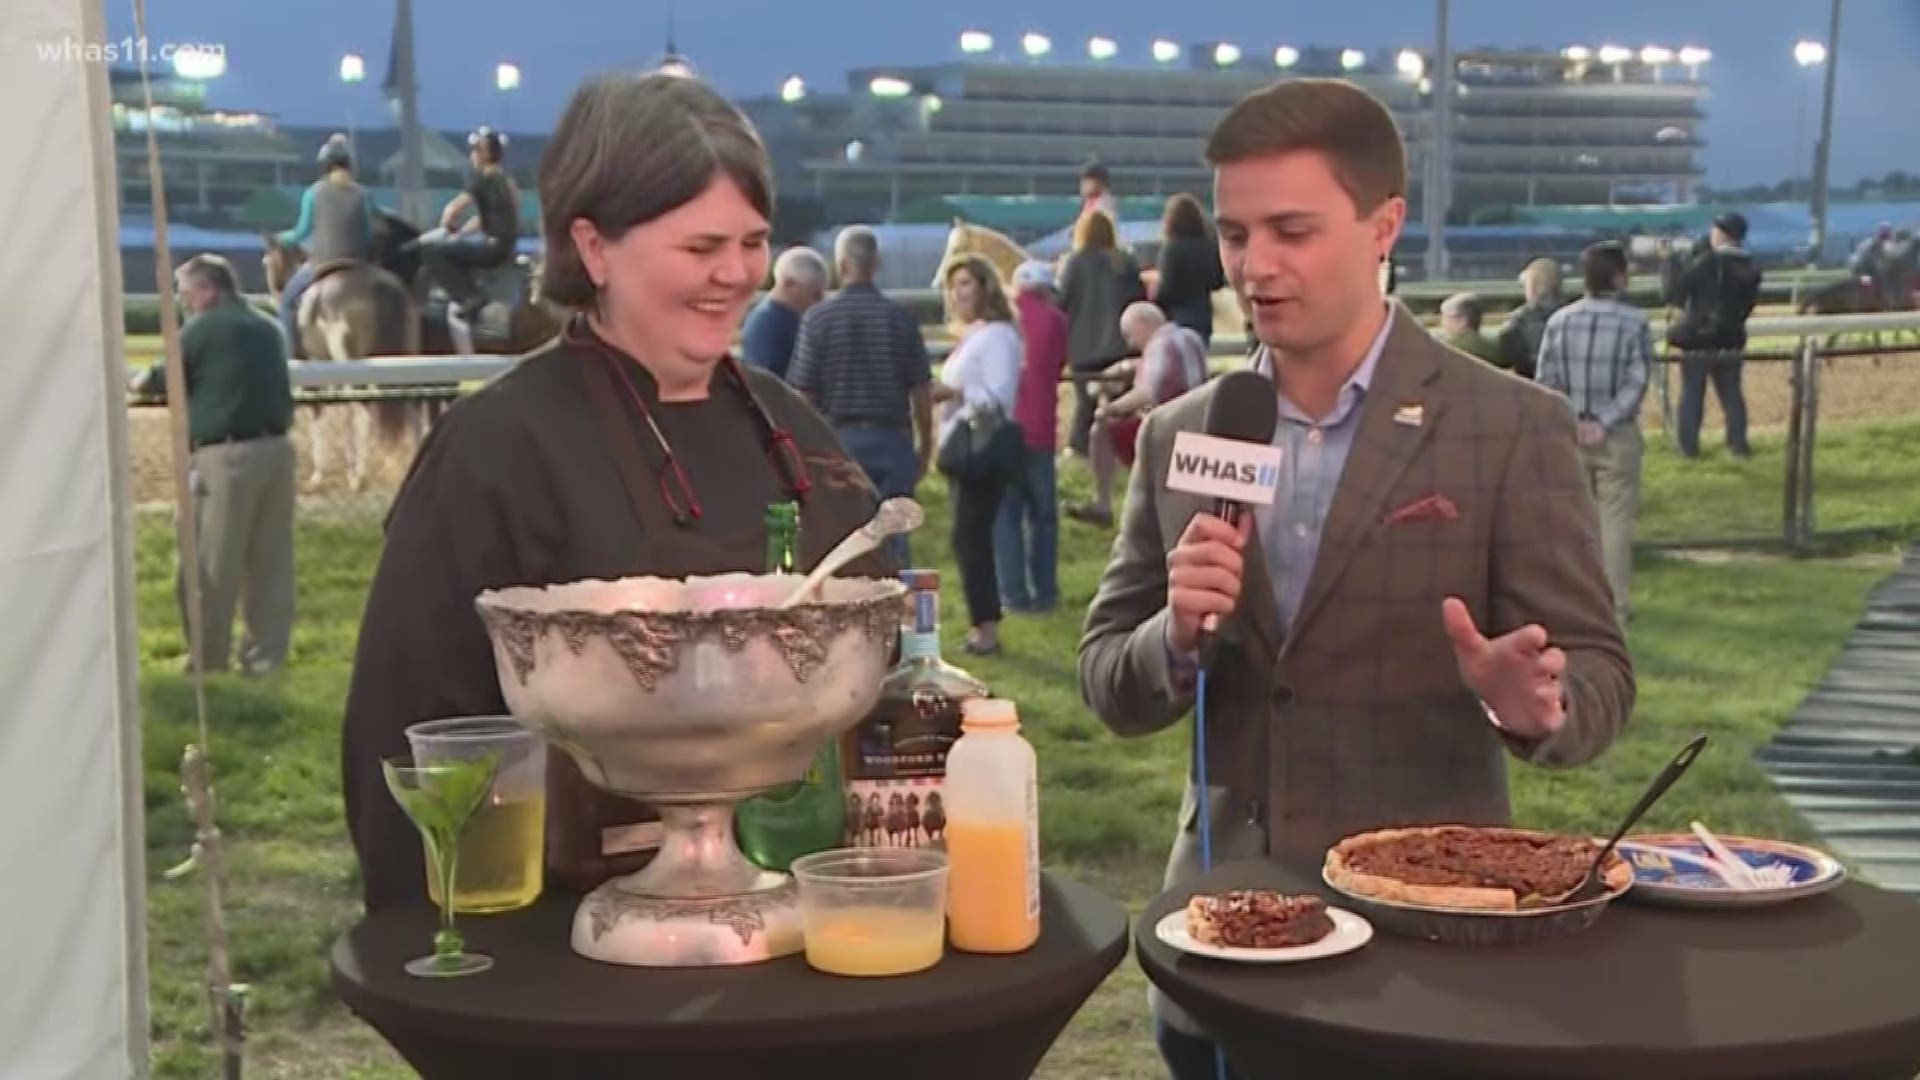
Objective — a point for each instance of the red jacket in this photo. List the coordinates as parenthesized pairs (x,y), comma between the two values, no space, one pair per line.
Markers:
(1043,327)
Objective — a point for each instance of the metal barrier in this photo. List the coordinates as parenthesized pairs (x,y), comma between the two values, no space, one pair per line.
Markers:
(1809,404)
(417,370)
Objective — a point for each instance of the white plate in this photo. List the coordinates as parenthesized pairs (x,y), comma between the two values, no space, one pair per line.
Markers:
(1350,931)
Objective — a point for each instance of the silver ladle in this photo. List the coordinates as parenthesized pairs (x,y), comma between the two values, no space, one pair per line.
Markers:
(895,516)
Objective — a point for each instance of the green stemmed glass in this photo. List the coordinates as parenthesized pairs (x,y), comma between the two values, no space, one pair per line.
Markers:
(440,799)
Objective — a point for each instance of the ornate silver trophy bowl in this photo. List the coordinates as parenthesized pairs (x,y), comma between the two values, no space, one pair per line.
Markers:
(692,695)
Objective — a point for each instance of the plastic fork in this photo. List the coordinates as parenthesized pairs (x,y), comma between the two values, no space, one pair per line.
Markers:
(1732,867)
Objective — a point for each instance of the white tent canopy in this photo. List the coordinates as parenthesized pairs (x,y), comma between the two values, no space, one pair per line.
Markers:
(71,854)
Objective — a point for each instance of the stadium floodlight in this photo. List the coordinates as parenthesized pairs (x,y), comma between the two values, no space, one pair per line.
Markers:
(1166,52)
(1226,54)
(887,86)
(1285,56)
(1577,52)
(793,89)
(1410,63)
(976,41)
(1810,53)
(1035,45)
(200,63)
(506,77)
(1615,54)
(1656,54)
(353,68)
(1102,48)
(1694,55)
(1352,59)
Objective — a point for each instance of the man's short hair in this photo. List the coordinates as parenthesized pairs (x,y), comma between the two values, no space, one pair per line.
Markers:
(210,269)
(801,264)
(1465,305)
(1603,265)
(1333,116)
(1094,170)
(858,248)
(1143,314)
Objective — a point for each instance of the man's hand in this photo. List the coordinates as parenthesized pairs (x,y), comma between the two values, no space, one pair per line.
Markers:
(1516,674)
(1590,433)
(1203,576)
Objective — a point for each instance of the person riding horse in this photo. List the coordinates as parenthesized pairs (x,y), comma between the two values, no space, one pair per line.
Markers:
(484,241)
(336,224)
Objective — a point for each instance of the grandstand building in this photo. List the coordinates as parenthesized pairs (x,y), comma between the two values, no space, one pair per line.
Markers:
(1594,126)
(242,170)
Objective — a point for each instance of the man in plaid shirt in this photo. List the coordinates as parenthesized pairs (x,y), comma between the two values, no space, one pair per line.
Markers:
(1598,351)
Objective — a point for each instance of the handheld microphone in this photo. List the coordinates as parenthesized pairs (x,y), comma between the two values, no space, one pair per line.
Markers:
(1233,459)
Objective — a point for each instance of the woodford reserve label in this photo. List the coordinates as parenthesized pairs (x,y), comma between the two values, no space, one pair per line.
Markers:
(896,758)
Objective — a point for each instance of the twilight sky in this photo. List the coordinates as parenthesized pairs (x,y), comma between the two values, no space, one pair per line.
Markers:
(1763,112)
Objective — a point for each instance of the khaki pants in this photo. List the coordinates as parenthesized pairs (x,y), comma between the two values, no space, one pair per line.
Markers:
(1613,477)
(243,495)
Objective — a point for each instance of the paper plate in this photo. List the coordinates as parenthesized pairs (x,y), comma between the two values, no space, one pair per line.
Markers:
(1350,931)
(1661,878)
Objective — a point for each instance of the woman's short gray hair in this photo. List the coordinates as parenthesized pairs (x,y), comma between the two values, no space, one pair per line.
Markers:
(630,148)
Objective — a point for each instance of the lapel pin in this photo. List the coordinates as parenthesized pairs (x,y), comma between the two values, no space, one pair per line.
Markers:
(1409,415)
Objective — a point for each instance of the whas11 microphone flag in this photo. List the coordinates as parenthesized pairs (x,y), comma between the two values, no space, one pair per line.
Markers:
(1231,469)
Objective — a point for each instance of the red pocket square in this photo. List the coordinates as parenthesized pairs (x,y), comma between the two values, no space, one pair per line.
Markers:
(1434,507)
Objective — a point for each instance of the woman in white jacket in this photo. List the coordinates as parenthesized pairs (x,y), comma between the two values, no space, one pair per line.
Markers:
(981,376)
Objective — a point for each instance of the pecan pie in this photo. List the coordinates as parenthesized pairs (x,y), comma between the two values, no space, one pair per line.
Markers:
(1465,866)
(1258,919)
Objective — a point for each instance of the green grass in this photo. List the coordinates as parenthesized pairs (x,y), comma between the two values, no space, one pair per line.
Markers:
(1725,647)
(1865,475)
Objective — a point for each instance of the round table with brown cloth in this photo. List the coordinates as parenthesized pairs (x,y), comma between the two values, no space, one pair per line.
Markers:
(1825,987)
(545,1011)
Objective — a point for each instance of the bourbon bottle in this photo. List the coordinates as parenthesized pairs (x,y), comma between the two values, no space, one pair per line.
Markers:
(896,758)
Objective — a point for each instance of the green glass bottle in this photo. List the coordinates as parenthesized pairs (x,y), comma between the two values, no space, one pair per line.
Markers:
(808,815)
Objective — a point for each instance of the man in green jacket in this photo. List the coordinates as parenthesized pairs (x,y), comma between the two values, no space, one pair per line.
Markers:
(239,407)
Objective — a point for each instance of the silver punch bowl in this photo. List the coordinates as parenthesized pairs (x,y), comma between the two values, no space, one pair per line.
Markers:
(691,695)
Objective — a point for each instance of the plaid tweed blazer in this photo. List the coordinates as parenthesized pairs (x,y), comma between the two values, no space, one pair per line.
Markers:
(1357,718)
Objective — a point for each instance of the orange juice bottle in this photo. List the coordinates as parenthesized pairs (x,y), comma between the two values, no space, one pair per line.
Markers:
(993,832)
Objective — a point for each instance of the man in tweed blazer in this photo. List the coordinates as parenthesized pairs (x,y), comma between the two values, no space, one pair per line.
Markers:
(1425,597)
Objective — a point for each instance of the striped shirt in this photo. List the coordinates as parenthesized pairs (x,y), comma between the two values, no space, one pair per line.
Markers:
(857,357)
(1598,352)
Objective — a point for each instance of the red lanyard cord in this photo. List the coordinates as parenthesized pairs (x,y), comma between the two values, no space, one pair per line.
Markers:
(782,452)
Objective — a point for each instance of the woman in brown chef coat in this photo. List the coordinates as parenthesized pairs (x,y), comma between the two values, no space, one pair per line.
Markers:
(633,443)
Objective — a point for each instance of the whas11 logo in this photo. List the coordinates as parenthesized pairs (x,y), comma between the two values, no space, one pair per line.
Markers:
(1221,469)
(1224,468)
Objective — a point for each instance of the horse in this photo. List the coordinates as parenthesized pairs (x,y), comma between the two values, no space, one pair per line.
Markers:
(1853,295)
(351,311)
(965,239)
(503,329)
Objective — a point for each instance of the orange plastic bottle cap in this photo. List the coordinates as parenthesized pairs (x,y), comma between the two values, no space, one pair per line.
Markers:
(989,713)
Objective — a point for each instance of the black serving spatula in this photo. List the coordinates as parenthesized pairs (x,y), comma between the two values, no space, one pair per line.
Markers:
(1594,884)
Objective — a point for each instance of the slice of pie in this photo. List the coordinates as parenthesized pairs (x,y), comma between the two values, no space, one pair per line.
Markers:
(1466,866)
(1258,919)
